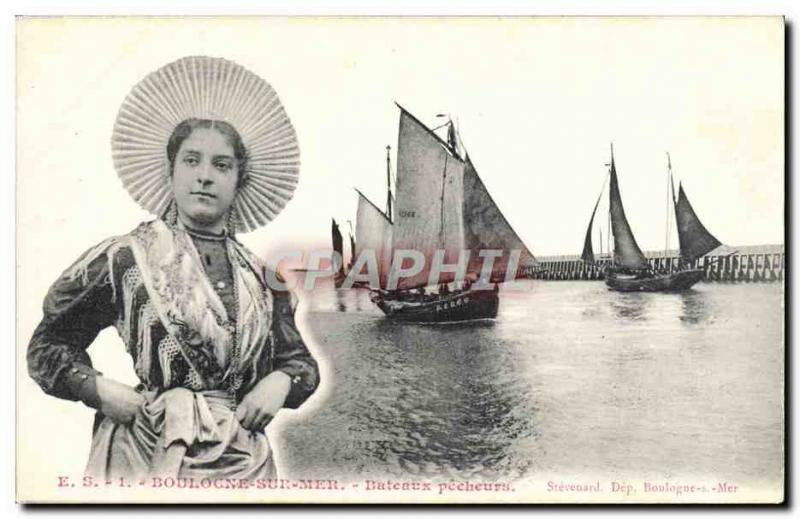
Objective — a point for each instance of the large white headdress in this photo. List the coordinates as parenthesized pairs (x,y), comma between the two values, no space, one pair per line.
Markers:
(207,88)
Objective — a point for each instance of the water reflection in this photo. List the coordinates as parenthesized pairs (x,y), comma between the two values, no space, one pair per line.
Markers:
(455,393)
(630,306)
(695,306)
(548,387)
(340,301)
(325,297)
(433,402)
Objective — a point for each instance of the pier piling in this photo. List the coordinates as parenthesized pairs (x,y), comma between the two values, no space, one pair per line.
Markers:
(750,264)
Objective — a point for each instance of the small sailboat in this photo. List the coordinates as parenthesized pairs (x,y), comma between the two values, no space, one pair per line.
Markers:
(352,246)
(440,204)
(630,271)
(338,257)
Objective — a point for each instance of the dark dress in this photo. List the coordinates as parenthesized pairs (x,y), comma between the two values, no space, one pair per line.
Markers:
(201,334)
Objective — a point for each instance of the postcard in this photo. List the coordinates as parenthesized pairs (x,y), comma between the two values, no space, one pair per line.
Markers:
(400,259)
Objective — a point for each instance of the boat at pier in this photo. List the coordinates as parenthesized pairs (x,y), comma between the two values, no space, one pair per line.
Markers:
(338,257)
(629,270)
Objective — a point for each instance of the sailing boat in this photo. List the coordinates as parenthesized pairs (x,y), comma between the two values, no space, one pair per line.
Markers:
(340,269)
(694,239)
(630,270)
(338,262)
(440,204)
(352,246)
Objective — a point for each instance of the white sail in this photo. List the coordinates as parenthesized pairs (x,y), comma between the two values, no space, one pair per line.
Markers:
(429,199)
(374,234)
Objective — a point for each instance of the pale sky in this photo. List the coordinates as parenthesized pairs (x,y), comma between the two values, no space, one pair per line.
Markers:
(537,99)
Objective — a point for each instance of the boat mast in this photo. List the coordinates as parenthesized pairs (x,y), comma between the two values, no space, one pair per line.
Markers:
(388,183)
(627,254)
(451,142)
(667,219)
(441,204)
(608,229)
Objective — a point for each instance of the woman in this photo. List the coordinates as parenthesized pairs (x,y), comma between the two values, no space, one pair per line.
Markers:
(216,349)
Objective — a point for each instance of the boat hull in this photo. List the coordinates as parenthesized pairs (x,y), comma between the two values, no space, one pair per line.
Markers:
(459,306)
(672,282)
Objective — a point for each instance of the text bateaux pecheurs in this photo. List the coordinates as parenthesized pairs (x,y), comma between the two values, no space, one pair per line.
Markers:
(188,483)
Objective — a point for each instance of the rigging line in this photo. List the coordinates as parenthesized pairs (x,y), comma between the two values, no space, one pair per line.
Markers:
(608,229)
(599,197)
(394,181)
(392,176)
(393,192)
(388,183)
(608,233)
(459,139)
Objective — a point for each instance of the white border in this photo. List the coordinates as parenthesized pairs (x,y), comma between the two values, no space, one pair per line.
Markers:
(789,8)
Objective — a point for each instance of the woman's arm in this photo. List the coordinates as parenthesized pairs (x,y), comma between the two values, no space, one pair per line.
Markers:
(294,376)
(291,354)
(77,307)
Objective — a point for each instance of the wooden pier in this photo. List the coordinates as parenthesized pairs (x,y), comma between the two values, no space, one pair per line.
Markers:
(750,264)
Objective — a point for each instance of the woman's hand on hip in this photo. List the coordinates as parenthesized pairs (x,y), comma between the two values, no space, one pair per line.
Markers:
(118,401)
(261,404)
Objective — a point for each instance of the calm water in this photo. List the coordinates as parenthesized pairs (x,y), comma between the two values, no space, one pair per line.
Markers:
(570,379)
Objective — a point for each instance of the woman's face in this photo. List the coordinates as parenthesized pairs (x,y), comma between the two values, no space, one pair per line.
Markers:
(204,179)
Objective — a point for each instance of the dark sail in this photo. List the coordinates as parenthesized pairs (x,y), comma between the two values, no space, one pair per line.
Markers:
(627,253)
(336,237)
(588,253)
(352,251)
(695,240)
(485,228)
